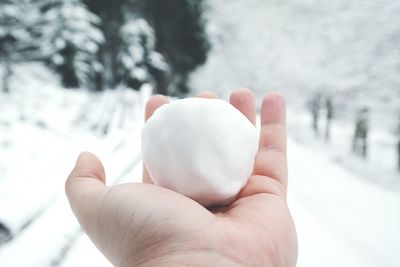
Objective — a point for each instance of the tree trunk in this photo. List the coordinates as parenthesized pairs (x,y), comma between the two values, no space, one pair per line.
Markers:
(315,120)
(398,155)
(6,76)
(328,130)
(108,72)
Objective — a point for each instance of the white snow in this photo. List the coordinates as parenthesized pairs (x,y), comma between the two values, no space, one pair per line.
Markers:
(341,219)
(177,141)
(43,129)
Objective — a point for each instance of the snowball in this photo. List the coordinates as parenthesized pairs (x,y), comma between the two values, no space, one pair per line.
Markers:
(201,148)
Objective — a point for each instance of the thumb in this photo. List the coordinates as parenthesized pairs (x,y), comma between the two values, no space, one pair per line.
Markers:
(85,187)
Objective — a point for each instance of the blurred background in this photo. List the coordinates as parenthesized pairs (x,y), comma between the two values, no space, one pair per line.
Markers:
(75,75)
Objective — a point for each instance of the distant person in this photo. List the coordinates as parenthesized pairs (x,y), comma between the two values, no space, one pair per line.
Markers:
(315,109)
(140,224)
(360,142)
(329,117)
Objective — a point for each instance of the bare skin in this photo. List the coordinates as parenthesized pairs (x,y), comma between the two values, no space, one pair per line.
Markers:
(146,225)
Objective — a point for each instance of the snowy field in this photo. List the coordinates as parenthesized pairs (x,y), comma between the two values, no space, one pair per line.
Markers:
(342,217)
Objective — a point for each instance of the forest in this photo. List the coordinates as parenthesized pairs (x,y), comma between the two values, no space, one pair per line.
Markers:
(105,44)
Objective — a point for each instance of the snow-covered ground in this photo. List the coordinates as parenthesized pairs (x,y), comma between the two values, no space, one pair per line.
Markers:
(43,128)
(343,218)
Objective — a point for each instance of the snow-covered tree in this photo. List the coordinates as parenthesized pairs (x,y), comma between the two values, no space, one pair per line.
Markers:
(16,35)
(71,39)
(139,63)
(180,32)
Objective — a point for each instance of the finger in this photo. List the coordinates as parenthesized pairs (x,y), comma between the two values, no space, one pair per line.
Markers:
(154,103)
(244,101)
(207,94)
(271,158)
(85,187)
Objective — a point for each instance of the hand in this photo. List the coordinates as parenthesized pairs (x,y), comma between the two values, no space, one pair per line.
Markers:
(146,225)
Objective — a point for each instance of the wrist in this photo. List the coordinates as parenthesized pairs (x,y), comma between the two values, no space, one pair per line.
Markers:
(192,259)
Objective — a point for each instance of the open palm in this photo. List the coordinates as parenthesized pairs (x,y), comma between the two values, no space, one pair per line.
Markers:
(146,225)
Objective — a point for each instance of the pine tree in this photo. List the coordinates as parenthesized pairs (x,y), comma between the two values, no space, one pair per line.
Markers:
(180,33)
(71,39)
(16,35)
(112,14)
(179,30)
(139,63)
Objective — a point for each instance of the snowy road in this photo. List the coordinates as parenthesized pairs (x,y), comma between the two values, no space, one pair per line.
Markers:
(341,219)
